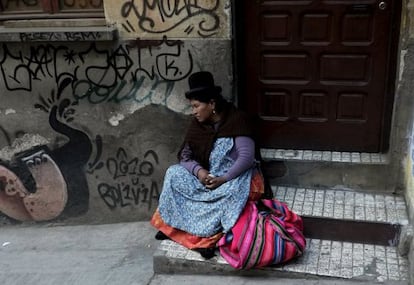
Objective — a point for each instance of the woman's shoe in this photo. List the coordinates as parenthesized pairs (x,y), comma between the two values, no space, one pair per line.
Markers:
(161,236)
(207,253)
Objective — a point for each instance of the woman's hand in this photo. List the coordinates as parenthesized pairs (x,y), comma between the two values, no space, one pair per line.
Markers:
(209,180)
(214,182)
(202,176)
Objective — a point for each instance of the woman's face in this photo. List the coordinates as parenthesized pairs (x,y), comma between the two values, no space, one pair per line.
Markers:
(202,111)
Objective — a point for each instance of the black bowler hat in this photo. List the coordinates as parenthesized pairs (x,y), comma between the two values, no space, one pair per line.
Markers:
(202,86)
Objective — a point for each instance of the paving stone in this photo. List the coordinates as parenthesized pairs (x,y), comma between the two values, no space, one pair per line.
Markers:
(327,156)
(307,155)
(345,157)
(356,157)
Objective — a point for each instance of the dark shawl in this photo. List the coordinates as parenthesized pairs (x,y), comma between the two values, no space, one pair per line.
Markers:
(201,136)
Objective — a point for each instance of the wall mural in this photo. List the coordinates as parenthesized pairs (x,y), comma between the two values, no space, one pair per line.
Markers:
(39,184)
(43,184)
(5,136)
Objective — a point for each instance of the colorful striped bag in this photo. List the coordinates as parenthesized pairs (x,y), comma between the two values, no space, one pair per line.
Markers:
(266,233)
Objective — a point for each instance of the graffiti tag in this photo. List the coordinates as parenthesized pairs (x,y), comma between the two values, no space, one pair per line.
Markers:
(161,16)
(132,183)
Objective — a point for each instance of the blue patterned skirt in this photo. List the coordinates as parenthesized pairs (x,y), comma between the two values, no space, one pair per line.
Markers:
(186,204)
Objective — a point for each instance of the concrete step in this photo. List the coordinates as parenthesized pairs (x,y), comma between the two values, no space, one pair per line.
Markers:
(351,235)
(325,156)
(321,259)
(327,169)
(347,215)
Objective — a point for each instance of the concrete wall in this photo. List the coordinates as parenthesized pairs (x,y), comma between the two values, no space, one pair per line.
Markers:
(87,129)
(403,127)
(406,103)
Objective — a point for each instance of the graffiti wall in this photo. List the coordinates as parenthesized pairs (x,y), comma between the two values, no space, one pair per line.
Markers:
(174,18)
(87,129)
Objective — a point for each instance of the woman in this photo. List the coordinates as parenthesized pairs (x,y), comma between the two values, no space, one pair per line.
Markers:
(206,194)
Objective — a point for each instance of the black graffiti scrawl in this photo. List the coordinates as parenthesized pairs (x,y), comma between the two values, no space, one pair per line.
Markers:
(42,184)
(162,16)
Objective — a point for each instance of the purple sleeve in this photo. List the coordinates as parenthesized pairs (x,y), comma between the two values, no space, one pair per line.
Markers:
(243,153)
(185,160)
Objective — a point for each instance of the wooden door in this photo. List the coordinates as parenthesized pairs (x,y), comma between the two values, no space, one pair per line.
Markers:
(319,73)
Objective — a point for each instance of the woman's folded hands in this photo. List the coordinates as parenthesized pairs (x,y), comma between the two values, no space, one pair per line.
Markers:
(209,180)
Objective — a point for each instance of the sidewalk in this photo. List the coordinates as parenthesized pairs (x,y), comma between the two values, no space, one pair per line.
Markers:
(99,254)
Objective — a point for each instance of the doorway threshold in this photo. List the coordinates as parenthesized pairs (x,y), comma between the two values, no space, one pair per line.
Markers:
(326,156)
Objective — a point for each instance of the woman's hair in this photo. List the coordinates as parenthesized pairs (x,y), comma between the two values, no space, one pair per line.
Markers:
(206,97)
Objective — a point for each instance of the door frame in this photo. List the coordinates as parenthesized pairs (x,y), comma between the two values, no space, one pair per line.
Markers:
(240,71)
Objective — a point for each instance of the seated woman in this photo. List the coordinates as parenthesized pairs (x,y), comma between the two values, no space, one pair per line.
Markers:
(208,193)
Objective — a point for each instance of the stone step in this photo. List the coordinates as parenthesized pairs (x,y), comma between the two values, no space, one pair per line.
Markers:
(325,156)
(344,204)
(347,215)
(350,235)
(327,169)
(321,259)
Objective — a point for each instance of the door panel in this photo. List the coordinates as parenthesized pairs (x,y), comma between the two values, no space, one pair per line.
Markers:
(317,72)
